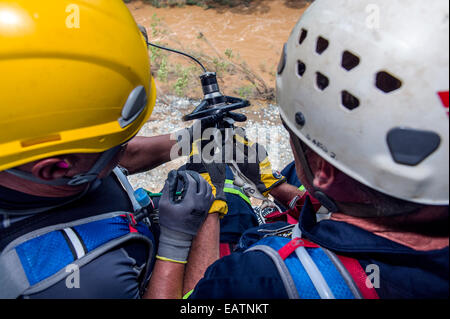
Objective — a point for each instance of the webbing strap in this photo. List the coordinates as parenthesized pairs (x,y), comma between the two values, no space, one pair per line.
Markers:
(285,275)
(326,265)
(236,190)
(18,276)
(316,276)
(344,273)
(13,280)
(127,187)
(360,277)
(290,247)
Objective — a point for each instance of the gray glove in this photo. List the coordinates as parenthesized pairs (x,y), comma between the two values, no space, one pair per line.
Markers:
(180,216)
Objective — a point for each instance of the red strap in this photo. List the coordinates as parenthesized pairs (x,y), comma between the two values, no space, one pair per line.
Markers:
(291,246)
(292,215)
(351,264)
(132,229)
(291,220)
(359,276)
(224,250)
(132,223)
(444,99)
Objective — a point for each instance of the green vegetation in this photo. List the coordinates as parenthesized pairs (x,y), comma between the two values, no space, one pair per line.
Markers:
(163,71)
(155,26)
(176,75)
(246,92)
(183,81)
(229,53)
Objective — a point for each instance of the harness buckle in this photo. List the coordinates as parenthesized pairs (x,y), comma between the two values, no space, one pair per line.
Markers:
(131,219)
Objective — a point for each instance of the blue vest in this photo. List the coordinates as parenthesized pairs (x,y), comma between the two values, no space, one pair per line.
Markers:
(314,273)
(39,259)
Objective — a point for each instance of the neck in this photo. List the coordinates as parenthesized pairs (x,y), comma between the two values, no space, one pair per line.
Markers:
(423,230)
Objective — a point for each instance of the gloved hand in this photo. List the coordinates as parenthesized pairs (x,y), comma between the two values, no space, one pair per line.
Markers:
(191,144)
(214,173)
(180,216)
(187,138)
(253,161)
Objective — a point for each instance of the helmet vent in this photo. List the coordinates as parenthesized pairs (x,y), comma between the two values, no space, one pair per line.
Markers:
(322,81)
(387,82)
(322,45)
(303,36)
(301,68)
(349,101)
(349,61)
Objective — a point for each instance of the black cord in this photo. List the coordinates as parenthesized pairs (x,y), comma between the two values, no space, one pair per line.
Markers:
(182,53)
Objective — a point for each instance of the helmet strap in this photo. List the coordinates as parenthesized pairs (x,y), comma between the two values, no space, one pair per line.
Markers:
(77,180)
(324,199)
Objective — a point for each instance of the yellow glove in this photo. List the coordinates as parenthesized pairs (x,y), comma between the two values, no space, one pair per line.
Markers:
(253,161)
(214,174)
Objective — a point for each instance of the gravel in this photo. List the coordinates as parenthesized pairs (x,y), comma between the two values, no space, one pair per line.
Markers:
(263,126)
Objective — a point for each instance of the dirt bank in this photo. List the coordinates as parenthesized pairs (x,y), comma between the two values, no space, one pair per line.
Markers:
(251,35)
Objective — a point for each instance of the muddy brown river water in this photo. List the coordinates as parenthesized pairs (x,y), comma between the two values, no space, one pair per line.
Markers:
(254,34)
(257,32)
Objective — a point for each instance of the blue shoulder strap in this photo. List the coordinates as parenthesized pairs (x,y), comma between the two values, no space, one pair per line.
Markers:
(298,281)
(40,259)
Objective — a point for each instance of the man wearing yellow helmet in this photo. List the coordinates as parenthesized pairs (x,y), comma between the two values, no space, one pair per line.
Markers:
(73,97)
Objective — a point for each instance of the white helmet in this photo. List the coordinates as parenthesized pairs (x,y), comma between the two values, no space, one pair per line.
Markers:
(364,83)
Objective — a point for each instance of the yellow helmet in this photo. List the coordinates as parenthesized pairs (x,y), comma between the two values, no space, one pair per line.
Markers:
(75,78)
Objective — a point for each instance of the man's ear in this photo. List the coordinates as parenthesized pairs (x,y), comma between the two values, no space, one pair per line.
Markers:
(50,169)
(324,176)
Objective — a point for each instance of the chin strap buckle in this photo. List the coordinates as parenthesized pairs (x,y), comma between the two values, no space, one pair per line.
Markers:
(82,179)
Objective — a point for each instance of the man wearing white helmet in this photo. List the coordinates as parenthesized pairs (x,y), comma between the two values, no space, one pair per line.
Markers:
(363,91)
